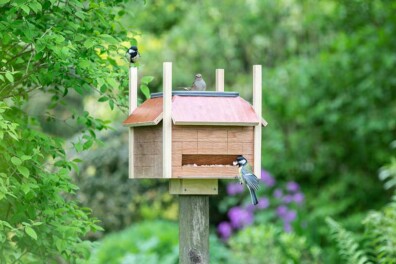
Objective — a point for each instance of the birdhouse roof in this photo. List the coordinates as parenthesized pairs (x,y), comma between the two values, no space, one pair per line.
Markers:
(197,108)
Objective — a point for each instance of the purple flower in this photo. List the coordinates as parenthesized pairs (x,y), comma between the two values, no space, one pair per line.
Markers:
(292,186)
(225,230)
(250,207)
(298,198)
(281,211)
(287,227)
(290,216)
(240,217)
(278,193)
(234,188)
(263,203)
(267,179)
(287,198)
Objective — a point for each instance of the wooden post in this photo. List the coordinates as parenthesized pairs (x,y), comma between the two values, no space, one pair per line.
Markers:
(257,90)
(193,229)
(219,80)
(167,120)
(133,77)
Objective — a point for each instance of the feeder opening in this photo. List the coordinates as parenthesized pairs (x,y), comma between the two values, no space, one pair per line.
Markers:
(208,160)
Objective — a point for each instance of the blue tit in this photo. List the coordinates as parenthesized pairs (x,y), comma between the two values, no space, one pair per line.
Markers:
(247,177)
(132,54)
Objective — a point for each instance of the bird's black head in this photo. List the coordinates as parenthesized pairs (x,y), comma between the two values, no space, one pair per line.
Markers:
(132,54)
(240,161)
(132,51)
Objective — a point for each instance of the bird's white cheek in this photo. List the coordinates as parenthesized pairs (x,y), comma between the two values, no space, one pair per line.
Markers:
(235,163)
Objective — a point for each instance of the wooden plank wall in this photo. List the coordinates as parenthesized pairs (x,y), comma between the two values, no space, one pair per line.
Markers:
(210,140)
(148,152)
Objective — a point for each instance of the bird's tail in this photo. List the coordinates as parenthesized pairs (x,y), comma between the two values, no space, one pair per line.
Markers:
(253,196)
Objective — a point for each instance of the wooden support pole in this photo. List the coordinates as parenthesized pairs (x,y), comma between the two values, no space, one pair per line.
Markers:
(167,120)
(133,83)
(219,80)
(257,105)
(193,229)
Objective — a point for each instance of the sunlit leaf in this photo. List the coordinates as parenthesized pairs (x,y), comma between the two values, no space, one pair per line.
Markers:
(30,231)
(24,171)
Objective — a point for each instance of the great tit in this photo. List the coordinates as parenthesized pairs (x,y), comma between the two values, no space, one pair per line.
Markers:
(247,177)
(132,54)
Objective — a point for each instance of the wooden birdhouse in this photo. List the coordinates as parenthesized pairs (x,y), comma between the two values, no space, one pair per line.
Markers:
(193,135)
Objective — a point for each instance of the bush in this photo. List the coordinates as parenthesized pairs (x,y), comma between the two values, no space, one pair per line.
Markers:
(146,242)
(377,244)
(268,244)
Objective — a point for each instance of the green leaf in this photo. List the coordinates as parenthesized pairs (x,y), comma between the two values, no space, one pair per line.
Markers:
(109,39)
(80,14)
(103,99)
(78,89)
(25,8)
(147,79)
(9,76)
(16,161)
(3,2)
(145,90)
(112,82)
(89,43)
(24,171)
(30,231)
(87,144)
(36,7)
(78,146)
(25,157)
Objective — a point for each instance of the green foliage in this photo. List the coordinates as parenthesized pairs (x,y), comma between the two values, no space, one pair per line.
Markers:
(151,242)
(35,220)
(377,243)
(115,199)
(52,49)
(349,247)
(147,242)
(268,244)
(219,252)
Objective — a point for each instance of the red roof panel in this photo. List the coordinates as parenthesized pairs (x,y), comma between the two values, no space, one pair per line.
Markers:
(146,114)
(196,110)
(192,110)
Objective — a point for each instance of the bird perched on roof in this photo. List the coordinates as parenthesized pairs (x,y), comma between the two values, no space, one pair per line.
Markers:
(247,177)
(198,84)
(132,54)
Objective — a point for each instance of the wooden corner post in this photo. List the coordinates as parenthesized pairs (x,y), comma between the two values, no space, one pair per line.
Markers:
(219,80)
(167,120)
(133,77)
(257,105)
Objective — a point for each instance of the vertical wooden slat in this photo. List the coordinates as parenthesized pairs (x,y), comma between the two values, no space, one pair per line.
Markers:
(167,120)
(257,105)
(219,80)
(133,76)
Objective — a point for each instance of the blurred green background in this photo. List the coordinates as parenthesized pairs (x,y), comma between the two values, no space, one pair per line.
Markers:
(328,153)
